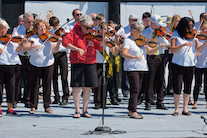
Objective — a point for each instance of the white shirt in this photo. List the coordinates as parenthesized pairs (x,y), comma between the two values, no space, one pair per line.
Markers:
(100,57)
(124,32)
(133,49)
(62,48)
(20,32)
(9,56)
(183,57)
(41,58)
(202,60)
(69,27)
(149,34)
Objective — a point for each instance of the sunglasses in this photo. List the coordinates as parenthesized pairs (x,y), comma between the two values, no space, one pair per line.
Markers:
(87,28)
(30,22)
(79,14)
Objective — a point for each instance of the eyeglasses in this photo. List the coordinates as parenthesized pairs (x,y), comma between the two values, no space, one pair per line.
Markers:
(30,22)
(79,14)
(87,28)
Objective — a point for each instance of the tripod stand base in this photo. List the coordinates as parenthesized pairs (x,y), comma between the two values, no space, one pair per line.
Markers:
(103,129)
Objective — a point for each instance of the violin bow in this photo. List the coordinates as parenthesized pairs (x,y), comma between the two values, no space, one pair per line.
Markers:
(196,34)
(191,14)
(10,38)
(41,47)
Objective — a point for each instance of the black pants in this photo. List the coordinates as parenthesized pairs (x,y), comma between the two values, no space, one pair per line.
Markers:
(7,77)
(170,76)
(135,82)
(98,91)
(20,70)
(181,75)
(62,61)
(198,81)
(46,74)
(124,81)
(155,78)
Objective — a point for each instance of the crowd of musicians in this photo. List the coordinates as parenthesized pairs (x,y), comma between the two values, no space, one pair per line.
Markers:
(138,53)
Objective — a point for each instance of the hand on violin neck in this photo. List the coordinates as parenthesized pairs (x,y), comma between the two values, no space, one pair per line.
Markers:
(24,40)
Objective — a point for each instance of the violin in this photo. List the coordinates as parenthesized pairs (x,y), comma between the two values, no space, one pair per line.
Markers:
(191,34)
(30,32)
(5,38)
(15,39)
(91,35)
(202,36)
(112,32)
(45,36)
(163,32)
(143,41)
(60,32)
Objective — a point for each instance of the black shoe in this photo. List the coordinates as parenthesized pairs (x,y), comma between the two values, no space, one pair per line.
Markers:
(114,102)
(105,107)
(147,106)
(27,106)
(64,102)
(139,100)
(119,100)
(57,101)
(125,95)
(14,105)
(97,107)
(161,106)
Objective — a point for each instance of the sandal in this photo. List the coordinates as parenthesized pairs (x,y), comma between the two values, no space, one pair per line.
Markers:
(136,116)
(76,115)
(48,110)
(175,114)
(32,111)
(186,113)
(129,113)
(86,114)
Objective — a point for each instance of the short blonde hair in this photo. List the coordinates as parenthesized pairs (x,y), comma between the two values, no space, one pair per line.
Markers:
(4,23)
(86,20)
(136,26)
(36,24)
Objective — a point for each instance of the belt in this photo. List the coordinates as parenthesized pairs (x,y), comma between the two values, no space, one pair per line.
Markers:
(27,57)
(156,56)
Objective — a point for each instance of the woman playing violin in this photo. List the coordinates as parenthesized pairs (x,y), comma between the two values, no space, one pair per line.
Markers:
(183,62)
(201,66)
(174,23)
(83,59)
(61,60)
(8,59)
(41,60)
(135,64)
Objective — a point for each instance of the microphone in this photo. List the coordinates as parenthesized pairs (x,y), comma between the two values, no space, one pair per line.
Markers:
(202,117)
(68,20)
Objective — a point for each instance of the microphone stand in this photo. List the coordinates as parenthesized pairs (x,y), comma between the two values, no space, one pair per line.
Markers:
(103,128)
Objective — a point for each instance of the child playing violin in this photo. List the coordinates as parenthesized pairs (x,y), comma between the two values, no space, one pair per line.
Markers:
(98,91)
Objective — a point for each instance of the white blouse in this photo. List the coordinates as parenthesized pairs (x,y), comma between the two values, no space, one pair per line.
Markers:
(202,60)
(184,57)
(43,57)
(9,55)
(133,49)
